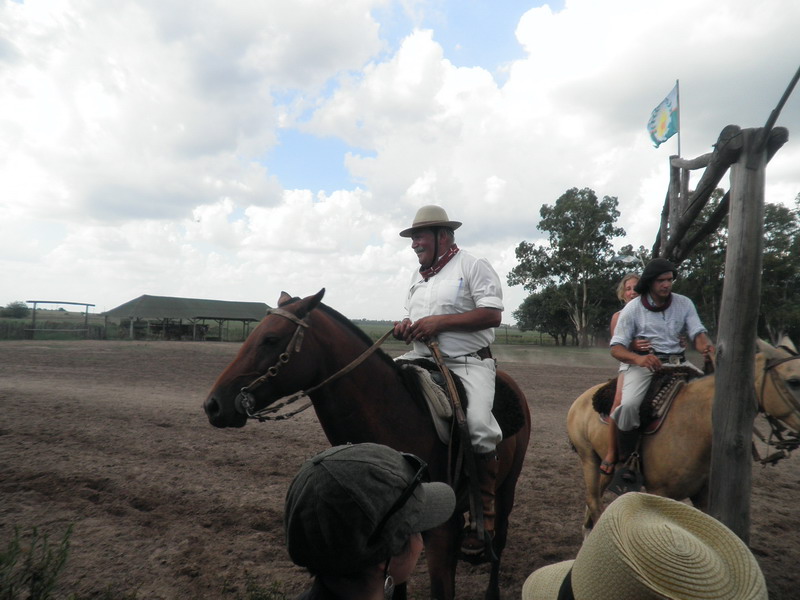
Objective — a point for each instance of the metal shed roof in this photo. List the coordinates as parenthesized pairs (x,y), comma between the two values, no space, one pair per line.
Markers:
(166,307)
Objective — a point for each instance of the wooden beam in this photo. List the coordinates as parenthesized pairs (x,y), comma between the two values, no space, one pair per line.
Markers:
(735,407)
(726,152)
(691,163)
(662,236)
(777,138)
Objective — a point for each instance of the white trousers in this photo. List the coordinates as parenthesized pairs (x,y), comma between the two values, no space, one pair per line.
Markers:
(478,378)
(634,387)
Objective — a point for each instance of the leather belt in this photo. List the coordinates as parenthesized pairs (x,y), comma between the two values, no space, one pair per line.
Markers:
(673,359)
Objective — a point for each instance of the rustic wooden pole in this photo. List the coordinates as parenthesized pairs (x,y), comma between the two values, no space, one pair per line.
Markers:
(735,406)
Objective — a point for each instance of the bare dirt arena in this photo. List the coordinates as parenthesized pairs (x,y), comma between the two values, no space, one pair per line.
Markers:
(111,437)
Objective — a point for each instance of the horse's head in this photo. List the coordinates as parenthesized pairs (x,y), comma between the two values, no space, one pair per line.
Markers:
(250,383)
(779,386)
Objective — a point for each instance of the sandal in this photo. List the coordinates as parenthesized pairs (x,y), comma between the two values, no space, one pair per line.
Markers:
(607,468)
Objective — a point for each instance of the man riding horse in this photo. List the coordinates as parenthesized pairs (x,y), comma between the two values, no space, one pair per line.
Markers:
(660,316)
(457,299)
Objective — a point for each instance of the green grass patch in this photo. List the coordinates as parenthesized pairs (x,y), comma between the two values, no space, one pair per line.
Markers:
(30,565)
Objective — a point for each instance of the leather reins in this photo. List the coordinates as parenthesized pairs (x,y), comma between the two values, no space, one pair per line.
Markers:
(245,401)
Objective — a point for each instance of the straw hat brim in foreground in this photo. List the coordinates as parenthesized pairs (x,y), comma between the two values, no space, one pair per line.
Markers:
(647,547)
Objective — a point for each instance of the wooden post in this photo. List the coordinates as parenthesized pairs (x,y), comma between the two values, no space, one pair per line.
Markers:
(33,322)
(735,406)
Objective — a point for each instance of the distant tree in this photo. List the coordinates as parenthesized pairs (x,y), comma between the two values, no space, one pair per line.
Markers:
(581,230)
(545,311)
(703,272)
(780,279)
(15,310)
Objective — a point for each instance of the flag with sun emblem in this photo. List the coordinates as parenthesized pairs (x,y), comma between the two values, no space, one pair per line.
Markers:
(664,122)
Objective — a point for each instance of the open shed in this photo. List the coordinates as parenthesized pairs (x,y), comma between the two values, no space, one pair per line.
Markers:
(184,318)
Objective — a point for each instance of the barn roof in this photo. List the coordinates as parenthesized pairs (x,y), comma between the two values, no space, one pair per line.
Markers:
(167,307)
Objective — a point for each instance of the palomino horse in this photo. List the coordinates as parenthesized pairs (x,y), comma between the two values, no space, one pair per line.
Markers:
(304,342)
(676,459)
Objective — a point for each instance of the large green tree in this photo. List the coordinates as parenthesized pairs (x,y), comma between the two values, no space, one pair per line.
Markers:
(580,230)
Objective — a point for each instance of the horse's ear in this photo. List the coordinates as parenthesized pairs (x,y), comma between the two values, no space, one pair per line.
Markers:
(306,305)
(316,299)
(787,344)
(284,299)
(766,349)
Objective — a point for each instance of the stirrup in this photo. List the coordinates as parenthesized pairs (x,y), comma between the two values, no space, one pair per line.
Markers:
(628,478)
(476,551)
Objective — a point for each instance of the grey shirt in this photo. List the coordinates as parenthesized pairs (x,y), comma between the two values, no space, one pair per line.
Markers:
(662,329)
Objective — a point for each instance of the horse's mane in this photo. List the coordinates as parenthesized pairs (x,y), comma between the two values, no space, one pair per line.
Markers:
(357,331)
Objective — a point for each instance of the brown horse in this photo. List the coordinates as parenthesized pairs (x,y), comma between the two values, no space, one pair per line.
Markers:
(303,343)
(676,459)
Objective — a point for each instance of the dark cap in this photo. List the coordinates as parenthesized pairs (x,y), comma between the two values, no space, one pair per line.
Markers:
(338,498)
(656,267)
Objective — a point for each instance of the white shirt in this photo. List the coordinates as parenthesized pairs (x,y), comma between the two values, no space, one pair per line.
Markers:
(662,329)
(463,284)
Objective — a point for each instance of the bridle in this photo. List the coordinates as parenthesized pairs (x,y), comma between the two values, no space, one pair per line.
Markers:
(245,401)
(776,436)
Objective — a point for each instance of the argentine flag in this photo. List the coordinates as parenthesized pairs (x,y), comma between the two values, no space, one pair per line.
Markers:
(663,123)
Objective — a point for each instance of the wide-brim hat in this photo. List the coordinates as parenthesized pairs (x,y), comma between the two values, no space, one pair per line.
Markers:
(338,498)
(646,547)
(655,268)
(430,216)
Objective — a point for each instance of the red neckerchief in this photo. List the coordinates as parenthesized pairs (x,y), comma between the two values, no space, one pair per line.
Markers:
(439,264)
(650,307)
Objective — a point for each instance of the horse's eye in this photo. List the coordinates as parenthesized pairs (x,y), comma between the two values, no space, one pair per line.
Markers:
(270,340)
(793,383)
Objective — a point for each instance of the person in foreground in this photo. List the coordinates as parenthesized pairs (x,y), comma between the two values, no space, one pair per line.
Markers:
(354,516)
(456,299)
(625,293)
(660,317)
(646,547)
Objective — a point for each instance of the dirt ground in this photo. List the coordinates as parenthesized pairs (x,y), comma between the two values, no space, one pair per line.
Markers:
(111,437)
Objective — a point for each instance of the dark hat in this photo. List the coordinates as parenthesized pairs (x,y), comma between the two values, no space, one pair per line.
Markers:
(430,216)
(338,498)
(656,267)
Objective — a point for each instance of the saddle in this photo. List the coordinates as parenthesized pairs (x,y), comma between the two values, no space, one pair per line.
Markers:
(664,386)
(426,384)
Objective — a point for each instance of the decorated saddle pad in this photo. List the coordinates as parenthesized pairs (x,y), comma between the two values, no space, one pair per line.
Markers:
(664,386)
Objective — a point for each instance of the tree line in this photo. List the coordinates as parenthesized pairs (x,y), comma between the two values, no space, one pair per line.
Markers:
(573,276)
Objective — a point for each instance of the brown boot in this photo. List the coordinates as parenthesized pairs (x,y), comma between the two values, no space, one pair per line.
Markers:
(486,466)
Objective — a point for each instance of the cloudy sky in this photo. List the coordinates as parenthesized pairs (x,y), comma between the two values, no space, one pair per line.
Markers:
(231,150)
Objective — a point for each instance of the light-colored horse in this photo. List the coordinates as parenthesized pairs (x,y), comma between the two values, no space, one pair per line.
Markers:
(676,459)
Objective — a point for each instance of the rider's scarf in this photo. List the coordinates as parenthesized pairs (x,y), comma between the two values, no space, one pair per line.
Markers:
(650,307)
(439,264)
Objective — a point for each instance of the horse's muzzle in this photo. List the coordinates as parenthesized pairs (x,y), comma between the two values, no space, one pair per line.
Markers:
(218,416)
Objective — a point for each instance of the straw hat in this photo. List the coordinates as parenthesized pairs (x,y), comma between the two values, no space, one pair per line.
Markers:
(430,216)
(647,547)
